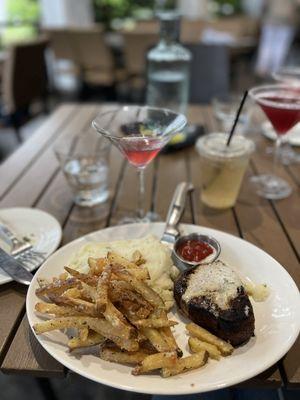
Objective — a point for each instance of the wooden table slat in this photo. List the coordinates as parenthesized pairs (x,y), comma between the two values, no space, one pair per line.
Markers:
(30,151)
(33,359)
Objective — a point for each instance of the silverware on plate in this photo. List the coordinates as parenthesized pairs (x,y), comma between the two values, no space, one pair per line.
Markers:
(22,250)
(14,268)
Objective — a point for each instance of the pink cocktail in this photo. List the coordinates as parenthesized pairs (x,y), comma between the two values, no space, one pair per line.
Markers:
(139,132)
(281,104)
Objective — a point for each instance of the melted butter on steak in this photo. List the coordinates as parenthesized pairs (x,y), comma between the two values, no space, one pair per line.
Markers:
(217,283)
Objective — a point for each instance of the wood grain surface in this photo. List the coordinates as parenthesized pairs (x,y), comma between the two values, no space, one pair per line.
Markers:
(31,177)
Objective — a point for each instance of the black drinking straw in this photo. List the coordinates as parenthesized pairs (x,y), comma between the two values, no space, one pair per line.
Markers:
(237,118)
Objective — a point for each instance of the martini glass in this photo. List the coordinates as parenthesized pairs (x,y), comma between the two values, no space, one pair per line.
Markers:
(289,75)
(139,132)
(281,104)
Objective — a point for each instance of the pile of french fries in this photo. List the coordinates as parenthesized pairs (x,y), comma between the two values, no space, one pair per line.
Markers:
(113,306)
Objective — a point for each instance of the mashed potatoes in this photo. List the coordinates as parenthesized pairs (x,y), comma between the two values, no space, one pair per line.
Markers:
(157,256)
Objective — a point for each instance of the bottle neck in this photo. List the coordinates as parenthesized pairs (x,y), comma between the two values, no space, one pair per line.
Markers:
(169,29)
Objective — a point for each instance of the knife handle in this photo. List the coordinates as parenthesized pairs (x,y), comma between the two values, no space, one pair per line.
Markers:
(177,207)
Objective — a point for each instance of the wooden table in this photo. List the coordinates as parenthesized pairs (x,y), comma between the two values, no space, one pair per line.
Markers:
(31,177)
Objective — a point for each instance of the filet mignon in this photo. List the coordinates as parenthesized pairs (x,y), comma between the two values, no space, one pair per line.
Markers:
(213,297)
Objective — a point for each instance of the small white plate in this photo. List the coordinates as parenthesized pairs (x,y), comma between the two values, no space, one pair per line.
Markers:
(40,228)
(277,320)
(293,137)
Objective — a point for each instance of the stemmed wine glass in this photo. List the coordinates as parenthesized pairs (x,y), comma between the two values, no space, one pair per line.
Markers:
(289,75)
(139,132)
(281,104)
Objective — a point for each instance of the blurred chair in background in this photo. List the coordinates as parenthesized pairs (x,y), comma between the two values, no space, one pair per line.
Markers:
(24,81)
(92,60)
(209,72)
(191,30)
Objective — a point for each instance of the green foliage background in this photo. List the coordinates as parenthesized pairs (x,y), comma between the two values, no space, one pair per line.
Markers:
(26,13)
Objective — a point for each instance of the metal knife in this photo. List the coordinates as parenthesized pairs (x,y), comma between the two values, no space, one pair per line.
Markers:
(175,213)
(14,268)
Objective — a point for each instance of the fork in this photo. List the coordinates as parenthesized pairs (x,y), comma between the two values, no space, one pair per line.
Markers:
(21,250)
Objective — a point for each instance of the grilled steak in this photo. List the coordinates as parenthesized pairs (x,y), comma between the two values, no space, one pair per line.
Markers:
(213,297)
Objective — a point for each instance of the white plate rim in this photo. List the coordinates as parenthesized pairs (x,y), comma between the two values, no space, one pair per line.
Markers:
(178,391)
(50,217)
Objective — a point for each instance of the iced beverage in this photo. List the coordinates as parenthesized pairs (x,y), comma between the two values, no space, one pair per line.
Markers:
(222,168)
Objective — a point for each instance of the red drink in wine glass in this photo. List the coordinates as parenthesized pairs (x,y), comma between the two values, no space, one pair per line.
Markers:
(139,132)
(282,118)
(281,104)
(142,152)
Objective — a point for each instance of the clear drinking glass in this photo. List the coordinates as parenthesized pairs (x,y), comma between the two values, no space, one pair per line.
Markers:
(222,168)
(84,161)
(281,104)
(139,132)
(224,108)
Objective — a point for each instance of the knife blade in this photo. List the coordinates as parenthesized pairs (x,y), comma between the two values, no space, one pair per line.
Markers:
(14,268)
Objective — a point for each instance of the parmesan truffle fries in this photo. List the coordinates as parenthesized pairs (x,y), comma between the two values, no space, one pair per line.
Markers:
(113,306)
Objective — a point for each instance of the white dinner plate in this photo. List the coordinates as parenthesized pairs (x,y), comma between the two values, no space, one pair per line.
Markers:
(276,327)
(40,228)
(293,136)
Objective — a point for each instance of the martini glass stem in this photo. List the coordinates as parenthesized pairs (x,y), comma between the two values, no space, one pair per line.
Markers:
(141,194)
(277,153)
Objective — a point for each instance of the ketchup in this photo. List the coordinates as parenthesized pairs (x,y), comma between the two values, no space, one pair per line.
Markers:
(194,250)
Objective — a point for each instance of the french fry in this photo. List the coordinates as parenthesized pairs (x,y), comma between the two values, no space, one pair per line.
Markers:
(154,323)
(156,361)
(202,334)
(88,279)
(197,345)
(57,287)
(58,311)
(63,276)
(117,320)
(146,291)
(156,339)
(138,272)
(82,306)
(102,288)
(106,329)
(194,361)
(92,339)
(59,323)
(97,265)
(168,337)
(83,333)
(73,292)
(122,357)
(89,292)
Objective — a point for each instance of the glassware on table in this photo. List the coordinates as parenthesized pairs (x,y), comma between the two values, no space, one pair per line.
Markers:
(281,104)
(168,70)
(290,76)
(224,108)
(168,67)
(84,161)
(139,132)
(222,168)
